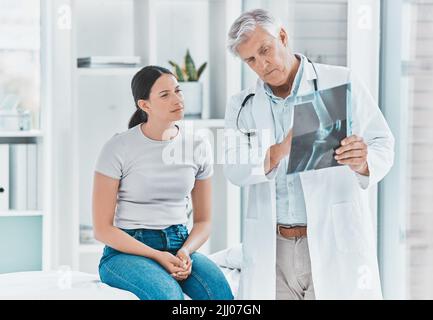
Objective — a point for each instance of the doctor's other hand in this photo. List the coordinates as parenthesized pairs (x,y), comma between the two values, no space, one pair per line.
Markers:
(353,152)
(277,152)
(169,262)
(183,254)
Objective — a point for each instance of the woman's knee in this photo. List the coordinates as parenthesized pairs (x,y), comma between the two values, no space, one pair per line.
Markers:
(210,277)
(171,291)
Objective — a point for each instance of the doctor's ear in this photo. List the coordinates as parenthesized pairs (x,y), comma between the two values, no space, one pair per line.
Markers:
(283,36)
(144,105)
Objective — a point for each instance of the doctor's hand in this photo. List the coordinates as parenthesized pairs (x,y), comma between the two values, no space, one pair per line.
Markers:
(353,152)
(169,262)
(277,152)
(183,254)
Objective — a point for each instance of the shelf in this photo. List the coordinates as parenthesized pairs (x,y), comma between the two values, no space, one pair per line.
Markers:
(107,71)
(91,248)
(20,213)
(21,134)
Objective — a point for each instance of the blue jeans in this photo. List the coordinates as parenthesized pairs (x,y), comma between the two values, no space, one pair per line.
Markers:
(148,280)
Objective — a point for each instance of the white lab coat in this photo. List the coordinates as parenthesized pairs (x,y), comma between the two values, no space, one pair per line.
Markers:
(340,228)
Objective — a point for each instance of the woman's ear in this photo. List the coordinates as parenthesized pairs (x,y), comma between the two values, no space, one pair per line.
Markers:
(144,105)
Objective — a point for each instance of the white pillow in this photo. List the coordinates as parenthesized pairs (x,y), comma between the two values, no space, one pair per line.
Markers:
(229,258)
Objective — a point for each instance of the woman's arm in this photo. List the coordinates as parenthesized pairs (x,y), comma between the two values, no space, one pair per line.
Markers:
(104,204)
(201,202)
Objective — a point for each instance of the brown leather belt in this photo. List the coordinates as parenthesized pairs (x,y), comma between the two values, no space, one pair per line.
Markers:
(291,232)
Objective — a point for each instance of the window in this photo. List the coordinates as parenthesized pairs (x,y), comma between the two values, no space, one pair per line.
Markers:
(19,58)
(417,84)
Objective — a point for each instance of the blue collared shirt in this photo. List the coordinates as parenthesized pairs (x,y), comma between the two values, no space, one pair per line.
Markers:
(290,196)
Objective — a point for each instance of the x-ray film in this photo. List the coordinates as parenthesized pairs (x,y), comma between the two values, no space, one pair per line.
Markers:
(320,121)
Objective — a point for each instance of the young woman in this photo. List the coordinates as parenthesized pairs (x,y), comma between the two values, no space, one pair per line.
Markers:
(148,249)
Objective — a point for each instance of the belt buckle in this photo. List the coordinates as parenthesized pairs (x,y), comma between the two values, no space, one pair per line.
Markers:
(278,229)
(296,232)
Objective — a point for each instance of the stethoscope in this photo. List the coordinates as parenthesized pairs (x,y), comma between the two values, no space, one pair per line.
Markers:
(250,134)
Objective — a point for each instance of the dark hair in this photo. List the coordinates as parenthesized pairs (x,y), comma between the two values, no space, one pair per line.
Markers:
(141,85)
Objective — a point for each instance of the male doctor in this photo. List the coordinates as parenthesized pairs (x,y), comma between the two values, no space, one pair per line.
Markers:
(337,260)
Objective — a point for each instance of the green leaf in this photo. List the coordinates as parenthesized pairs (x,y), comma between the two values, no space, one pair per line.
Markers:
(178,70)
(200,70)
(190,67)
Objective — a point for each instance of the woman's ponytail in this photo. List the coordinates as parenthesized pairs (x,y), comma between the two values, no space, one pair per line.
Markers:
(137,118)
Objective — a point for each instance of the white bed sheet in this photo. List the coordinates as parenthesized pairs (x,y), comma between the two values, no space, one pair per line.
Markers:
(52,285)
(73,285)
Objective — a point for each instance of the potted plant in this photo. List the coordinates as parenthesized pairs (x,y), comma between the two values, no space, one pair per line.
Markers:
(188,77)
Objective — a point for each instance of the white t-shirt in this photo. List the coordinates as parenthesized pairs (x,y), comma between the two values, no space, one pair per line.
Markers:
(156,177)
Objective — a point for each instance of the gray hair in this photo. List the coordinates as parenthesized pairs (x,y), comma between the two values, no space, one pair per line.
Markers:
(247,22)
